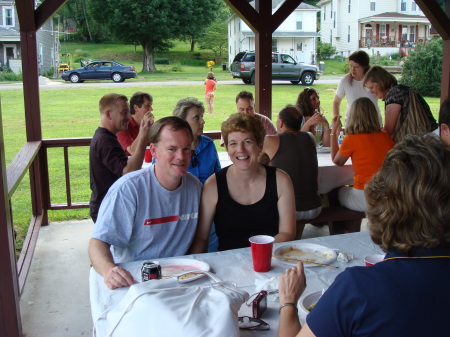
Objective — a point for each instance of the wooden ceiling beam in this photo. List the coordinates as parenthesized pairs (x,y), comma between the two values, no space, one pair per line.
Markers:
(246,12)
(438,18)
(283,12)
(46,10)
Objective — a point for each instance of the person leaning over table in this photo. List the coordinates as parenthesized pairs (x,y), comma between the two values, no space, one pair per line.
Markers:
(407,293)
(205,160)
(151,213)
(398,118)
(366,144)
(245,198)
(140,109)
(107,159)
(294,152)
(444,121)
(309,104)
(351,85)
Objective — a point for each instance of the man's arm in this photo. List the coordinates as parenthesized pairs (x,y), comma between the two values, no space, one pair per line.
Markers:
(103,263)
(270,148)
(148,117)
(208,204)
(135,161)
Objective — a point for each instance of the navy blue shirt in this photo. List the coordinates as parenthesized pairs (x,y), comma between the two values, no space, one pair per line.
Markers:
(399,297)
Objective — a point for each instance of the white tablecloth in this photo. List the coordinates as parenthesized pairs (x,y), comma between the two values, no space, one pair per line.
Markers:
(330,175)
(236,266)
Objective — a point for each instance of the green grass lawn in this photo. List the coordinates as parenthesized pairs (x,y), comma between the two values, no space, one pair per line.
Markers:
(74,113)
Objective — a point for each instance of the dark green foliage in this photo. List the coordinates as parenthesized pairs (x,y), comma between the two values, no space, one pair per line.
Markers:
(422,70)
(325,50)
(8,75)
(162,61)
(215,39)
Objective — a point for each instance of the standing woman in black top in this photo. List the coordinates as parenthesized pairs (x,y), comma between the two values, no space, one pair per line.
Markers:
(245,198)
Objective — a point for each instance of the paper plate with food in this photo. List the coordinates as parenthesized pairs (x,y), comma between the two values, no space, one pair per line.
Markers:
(173,267)
(310,254)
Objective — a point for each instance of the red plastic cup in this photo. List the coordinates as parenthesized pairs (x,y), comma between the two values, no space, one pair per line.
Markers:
(261,252)
(148,155)
(373,259)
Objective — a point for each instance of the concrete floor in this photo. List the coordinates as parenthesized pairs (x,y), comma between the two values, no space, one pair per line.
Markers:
(55,302)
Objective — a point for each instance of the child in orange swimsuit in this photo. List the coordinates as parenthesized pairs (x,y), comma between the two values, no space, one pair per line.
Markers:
(210,86)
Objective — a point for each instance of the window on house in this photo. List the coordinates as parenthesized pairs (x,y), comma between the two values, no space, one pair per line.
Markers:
(331,36)
(334,20)
(299,21)
(51,26)
(403,6)
(324,12)
(299,46)
(413,6)
(372,6)
(409,33)
(331,12)
(349,6)
(382,30)
(348,34)
(8,17)
(40,55)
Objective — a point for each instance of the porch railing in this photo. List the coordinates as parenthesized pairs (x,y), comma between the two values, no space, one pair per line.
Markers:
(36,153)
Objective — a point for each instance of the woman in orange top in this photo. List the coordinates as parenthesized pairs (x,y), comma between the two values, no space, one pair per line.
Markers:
(366,144)
(210,86)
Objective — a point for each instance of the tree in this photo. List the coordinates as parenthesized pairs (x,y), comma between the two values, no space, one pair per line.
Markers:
(422,70)
(198,15)
(325,50)
(215,39)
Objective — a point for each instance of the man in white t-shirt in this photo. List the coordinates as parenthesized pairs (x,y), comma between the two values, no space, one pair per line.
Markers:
(151,213)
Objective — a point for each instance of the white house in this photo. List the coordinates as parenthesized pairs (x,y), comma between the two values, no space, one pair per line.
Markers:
(10,53)
(379,27)
(296,36)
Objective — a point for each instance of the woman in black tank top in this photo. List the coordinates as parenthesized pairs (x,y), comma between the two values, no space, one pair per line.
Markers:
(245,198)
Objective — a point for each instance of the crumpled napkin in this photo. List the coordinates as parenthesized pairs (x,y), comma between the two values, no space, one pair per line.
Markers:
(270,285)
(345,257)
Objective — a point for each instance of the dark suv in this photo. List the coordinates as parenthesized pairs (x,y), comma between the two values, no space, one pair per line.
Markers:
(284,68)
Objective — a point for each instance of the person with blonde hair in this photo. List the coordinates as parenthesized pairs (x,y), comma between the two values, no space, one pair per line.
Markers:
(245,198)
(406,294)
(406,112)
(210,86)
(351,85)
(366,144)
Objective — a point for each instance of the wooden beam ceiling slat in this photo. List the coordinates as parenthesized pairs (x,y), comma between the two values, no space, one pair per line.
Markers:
(46,10)
(25,12)
(246,12)
(437,17)
(283,12)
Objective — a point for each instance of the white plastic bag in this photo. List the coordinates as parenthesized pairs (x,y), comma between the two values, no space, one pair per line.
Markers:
(160,308)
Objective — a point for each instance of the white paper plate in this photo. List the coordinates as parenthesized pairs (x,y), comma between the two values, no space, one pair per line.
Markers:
(305,252)
(172,267)
(324,149)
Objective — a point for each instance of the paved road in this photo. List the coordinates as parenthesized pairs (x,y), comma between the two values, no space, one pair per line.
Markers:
(45,83)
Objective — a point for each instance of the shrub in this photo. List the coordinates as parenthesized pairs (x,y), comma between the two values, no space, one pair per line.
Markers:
(422,70)
(8,75)
(162,61)
(325,50)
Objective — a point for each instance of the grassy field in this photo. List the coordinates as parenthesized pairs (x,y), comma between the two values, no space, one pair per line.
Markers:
(69,113)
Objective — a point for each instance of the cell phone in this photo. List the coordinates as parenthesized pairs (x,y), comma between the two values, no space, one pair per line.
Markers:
(259,304)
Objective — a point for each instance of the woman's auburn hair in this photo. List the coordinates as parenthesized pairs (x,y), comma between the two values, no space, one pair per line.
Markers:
(380,76)
(240,122)
(363,117)
(409,198)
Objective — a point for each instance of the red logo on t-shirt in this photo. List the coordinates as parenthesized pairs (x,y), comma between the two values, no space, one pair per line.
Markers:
(158,221)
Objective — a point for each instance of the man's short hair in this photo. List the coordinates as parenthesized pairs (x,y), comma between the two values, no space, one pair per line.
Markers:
(409,196)
(243,123)
(138,99)
(245,95)
(109,101)
(184,104)
(175,124)
(292,117)
(444,113)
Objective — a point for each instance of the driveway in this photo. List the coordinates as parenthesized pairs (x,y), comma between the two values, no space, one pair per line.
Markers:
(45,83)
